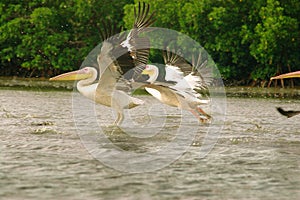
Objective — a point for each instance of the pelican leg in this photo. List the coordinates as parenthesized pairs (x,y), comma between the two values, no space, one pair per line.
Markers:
(200,118)
(203,113)
(120,118)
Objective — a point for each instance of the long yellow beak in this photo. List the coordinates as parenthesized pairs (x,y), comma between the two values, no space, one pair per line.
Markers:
(287,75)
(147,72)
(72,76)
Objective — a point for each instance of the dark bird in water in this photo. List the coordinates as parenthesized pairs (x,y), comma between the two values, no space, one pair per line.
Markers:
(288,113)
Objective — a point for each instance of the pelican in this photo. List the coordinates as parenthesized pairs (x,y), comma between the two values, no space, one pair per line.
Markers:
(119,54)
(288,113)
(175,88)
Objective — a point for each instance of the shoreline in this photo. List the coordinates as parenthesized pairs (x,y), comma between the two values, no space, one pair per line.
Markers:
(44,84)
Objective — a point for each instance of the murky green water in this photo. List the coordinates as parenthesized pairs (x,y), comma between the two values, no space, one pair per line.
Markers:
(42,157)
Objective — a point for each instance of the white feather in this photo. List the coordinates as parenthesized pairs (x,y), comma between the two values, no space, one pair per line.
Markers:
(155,93)
(126,44)
(88,91)
(192,96)
(189,82)
(173,73)
(186,87)
(193,81)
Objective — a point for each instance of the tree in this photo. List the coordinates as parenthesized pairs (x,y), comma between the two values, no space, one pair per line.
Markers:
(41,37)
(273,40)
(249,40)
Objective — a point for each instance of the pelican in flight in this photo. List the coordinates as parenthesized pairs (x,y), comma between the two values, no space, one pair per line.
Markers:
(180,84)
(119,54)
(288,113)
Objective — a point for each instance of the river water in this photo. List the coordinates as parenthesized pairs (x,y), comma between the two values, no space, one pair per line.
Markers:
(43,156)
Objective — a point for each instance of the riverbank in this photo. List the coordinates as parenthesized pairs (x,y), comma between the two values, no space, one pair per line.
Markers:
(231,91)
(259,92)
(35,83)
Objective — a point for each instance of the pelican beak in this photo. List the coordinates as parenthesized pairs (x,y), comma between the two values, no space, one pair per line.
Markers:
(72,76)
(288,75)
(147,72)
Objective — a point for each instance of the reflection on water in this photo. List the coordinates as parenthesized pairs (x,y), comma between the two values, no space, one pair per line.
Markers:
(42,157)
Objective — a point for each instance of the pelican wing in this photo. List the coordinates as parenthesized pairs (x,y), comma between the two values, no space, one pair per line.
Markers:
(187,77)
(137,46)
(288,113)
(120,54)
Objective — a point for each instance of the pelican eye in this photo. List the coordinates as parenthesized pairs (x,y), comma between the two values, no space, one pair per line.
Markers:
(86,69)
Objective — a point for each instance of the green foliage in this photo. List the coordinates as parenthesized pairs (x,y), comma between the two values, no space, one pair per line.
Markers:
(42,37)
(249,40)
(272,40)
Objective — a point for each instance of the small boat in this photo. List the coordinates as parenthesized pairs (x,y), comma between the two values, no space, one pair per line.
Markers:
(284,76)
(287,75)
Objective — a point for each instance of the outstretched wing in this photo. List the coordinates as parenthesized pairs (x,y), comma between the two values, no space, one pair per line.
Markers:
(136,45)
(187,76)
(119,53)
(139,47)
(288,113)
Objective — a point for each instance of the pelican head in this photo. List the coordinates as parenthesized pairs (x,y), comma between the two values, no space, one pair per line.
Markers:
(85,77)
(152,71)
(84,73)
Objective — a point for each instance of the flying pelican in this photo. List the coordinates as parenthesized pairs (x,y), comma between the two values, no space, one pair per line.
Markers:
(288,113)
(118,55)
(180,85)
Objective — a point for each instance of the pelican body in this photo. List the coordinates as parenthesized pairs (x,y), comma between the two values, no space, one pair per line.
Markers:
(177,89)
(110,97)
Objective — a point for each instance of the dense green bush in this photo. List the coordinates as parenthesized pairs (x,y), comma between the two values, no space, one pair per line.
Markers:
(42,37)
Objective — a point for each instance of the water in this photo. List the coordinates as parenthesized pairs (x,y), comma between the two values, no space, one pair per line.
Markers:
(42,157)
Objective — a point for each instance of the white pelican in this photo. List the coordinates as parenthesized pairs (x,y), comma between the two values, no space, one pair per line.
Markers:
(180,85)
(118,55)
